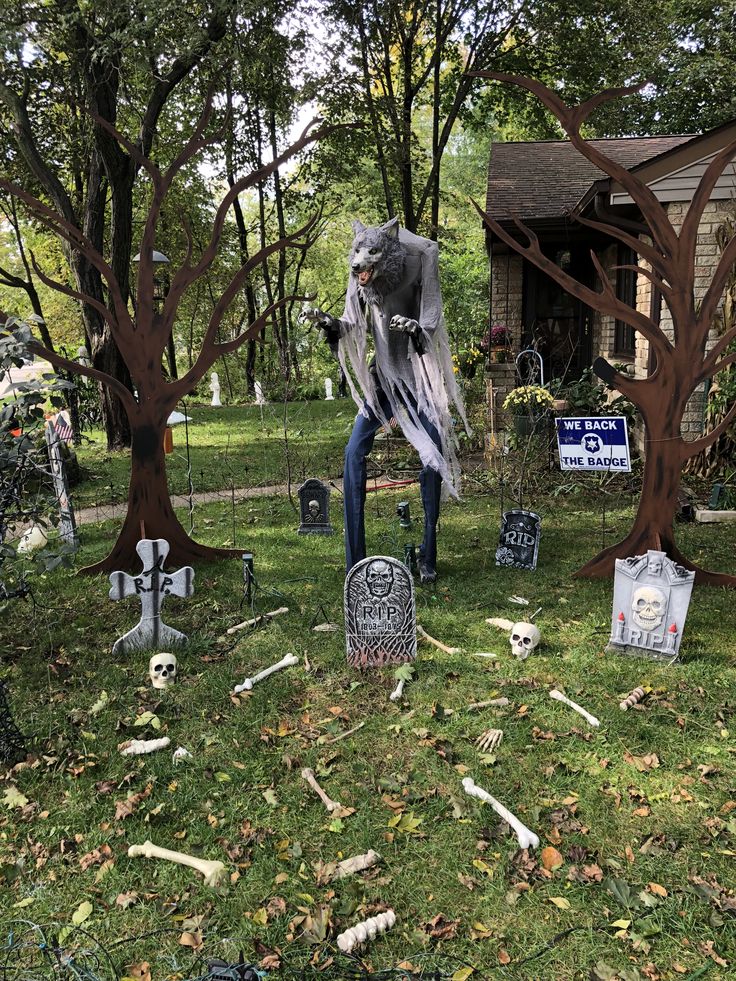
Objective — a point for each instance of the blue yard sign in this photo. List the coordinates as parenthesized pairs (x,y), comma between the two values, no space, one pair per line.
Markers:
(593,443)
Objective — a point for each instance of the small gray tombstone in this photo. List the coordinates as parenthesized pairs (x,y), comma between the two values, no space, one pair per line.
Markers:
(314,508)
(68,523)
(518,540)
(380,615)
(651,595)
(151,586)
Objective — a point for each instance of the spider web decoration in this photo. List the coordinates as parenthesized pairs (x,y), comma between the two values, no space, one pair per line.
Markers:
(380,614)
(12,744)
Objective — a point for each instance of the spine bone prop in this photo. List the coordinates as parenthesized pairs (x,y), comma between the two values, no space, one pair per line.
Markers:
(286,662)
(558,696)
(421,632)
(359,863)
(633,698)
(331,805)
(367,930)
(256,620)
(526,838)
(137,747)
(212,871)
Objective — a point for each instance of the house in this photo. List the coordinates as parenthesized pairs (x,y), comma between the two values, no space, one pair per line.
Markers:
(548,185)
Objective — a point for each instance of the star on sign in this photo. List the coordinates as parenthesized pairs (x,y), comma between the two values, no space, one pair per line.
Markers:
(592,444)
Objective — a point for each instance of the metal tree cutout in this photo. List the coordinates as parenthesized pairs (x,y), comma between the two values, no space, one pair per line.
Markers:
(681,363)
(142,339)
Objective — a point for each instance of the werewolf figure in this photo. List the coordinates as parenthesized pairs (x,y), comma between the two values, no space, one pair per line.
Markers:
(393,299)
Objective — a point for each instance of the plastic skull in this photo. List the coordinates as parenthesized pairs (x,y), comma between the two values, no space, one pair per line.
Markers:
(380,578)
(649,607)
(314,509)
(524,638)
(162,669)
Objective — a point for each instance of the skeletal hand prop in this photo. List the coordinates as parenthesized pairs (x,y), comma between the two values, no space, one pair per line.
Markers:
(526,838)
(331,805)
(421,632)
(212,871)
(358,863)
(256,620)
(324,321)
(404,325)
(489,740)
(366,930)
(286,662)
(558,696)
(138,747)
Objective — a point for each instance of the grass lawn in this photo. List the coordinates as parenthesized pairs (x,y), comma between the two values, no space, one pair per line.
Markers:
(641,812)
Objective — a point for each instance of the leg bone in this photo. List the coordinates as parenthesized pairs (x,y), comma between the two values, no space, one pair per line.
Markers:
(359,863)
(212,871)
(285,662)
(398,691)
(430,640)
(558,696)
(331,805)
(526,838)
(256,620)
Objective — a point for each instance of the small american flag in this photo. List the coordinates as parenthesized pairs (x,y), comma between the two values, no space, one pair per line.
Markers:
(63,425)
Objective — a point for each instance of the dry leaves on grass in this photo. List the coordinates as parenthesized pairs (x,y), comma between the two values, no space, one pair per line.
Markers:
(124,808)
(642,763)
(440,928)
(96,857)
(140,971)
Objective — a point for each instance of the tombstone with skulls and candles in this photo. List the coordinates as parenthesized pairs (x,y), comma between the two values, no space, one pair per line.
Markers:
(380,614)
(151,586)
(651,595)
(518,541)
(314,508)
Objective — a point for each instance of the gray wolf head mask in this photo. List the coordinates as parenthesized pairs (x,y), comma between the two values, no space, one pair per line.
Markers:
(376,259)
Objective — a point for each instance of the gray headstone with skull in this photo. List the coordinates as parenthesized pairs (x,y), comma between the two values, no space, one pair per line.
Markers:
(151,586)
(314,508)
(380,613)
(651,596)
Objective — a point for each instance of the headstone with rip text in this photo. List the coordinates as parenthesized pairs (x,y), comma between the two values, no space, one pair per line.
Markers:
(380,613)
(151,586)
(518,541)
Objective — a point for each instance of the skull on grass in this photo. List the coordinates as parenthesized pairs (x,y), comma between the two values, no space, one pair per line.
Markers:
(162,669)
(649,607)
(380,578)
(524,638)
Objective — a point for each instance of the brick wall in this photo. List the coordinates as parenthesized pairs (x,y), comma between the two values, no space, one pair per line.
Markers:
(507,293)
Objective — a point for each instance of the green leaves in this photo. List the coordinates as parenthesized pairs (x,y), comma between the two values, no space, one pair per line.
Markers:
(406,823)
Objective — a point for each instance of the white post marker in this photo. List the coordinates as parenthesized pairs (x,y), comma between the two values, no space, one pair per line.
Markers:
(286,662)
(525,837)
(558,696)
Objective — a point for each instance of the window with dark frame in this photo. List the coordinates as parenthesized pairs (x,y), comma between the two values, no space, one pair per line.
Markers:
(624,341)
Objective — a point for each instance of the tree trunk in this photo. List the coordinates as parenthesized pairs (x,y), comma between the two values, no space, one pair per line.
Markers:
(150,512)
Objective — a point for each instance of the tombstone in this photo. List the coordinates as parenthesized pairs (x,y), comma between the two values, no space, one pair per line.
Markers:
(651,595)
(380,615)
(518,542)
(314,508)
(151,586)
(68,524)
(215,389)
(260,400)
(12,744)
(329,397)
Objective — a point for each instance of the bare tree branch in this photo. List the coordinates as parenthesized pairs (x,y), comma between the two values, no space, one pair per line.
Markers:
(695,446)
(76,368)
(74,294)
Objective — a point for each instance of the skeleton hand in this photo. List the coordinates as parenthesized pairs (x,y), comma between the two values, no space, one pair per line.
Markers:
(404,325)
(489,740)
(324,321)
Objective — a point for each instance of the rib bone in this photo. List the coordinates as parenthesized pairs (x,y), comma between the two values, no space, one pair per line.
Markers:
(430,640)
(367,930)
(558,696)
(526,838)
(331,805)
(212,871)
(285,662)
(256,620)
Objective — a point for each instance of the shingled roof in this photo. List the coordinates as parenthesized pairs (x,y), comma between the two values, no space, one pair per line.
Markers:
(546,179)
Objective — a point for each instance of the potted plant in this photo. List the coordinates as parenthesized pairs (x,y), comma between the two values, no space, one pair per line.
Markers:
(528,404)
(497,344)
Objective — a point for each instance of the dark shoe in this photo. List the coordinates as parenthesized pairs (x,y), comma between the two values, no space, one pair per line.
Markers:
(426,572)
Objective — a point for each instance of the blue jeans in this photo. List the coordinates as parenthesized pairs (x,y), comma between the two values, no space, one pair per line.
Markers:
(354,481)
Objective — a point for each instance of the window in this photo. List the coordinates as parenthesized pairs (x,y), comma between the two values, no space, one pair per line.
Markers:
(624,336)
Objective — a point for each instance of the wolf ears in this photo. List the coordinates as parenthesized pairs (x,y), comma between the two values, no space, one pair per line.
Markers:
(391,228)
(358,227)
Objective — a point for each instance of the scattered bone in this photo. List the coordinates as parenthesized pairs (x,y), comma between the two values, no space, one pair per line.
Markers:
(526,838)
(525,637)
(358,863)
(398,691)
(489,740)
(181,753)
(137,747)
(326,628)
(256,620)
(367,930)
(212,871)
(331,805)
(501,622)
(342,735)
(286,662)
(558,696)
(633,698)
(430,640)
(490,703)
(519,599)
(485,654)
(307,664)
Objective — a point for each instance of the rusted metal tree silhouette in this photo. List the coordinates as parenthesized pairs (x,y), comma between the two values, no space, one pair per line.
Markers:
(682,362)
(142,339)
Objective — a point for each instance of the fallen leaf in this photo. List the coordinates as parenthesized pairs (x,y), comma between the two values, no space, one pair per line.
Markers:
(82,913)
(95,857)
(551,858)
(441,928)
(124,808)
(139,972)
(14,798)
(504,957)
(191,939)
(126,899)
(658,890)
(463,973)
(560,902)
(642,763)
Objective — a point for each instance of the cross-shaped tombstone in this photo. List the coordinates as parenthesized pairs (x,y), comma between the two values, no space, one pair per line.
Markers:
(151,586)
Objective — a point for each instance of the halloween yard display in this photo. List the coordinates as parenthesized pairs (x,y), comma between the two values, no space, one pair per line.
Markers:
(682,359)
(393,298)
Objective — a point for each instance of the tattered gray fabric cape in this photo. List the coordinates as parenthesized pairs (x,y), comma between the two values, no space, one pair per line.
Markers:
(413,383)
